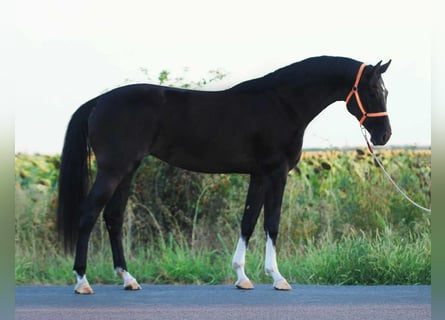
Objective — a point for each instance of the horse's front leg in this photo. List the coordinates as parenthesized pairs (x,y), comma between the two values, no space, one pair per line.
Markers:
(254,203)
(275,184)
(271,267)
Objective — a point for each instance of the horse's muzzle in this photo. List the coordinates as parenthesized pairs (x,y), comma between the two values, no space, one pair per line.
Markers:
(381,139)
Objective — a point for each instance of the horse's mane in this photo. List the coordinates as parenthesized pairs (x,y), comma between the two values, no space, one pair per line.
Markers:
(300,73)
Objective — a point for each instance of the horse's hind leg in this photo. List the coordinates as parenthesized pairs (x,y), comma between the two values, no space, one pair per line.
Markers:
(254,203)
(100,193)
(114,219)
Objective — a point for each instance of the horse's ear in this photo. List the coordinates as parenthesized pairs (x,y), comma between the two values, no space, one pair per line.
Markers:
(385,66)
(376,69)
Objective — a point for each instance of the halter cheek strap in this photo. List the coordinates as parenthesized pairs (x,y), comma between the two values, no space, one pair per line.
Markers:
(354,92)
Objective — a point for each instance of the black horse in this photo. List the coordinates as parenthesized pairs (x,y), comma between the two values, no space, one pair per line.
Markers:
(255,128)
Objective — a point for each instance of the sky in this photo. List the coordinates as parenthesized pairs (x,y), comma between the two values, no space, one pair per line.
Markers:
(58,55)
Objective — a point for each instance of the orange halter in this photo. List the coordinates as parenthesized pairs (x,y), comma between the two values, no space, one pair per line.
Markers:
(354,91)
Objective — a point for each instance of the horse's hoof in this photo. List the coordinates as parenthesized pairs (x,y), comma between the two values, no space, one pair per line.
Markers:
(244,285)
(282,285)
(132,285)
(84,289)
(82,285)
(130,282)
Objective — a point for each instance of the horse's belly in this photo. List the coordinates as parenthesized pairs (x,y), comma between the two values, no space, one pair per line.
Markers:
(208,159)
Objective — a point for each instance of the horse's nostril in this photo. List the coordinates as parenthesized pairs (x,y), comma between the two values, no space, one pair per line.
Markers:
(386,136)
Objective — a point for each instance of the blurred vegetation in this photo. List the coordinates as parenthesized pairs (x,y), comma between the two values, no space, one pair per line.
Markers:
(334,200)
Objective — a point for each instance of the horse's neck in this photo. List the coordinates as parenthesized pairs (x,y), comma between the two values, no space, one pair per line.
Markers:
(325,89)
(321,99)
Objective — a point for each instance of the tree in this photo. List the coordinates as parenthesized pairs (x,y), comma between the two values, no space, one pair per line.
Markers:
(165,78)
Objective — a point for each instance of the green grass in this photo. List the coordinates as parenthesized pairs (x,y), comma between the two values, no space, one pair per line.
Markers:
(342,223)
(357,259)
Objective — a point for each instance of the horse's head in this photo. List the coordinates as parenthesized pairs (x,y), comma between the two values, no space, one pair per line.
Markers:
(367,102)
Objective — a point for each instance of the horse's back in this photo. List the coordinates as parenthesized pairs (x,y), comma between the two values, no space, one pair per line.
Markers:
(202,131)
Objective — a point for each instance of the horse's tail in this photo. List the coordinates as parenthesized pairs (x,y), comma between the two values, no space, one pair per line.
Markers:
(74,176)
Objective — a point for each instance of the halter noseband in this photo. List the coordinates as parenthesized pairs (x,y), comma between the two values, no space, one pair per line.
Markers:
(354,91)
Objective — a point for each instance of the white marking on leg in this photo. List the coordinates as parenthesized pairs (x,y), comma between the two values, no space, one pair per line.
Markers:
(82,285)
(271,267)
(130,282)
(238,261)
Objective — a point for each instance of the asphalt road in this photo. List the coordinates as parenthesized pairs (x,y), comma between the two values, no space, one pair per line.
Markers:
(225,302)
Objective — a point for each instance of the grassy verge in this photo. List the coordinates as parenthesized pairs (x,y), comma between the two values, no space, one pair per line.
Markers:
(385,258)
(342,223)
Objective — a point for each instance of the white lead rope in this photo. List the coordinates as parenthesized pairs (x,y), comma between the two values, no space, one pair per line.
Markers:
(388,176)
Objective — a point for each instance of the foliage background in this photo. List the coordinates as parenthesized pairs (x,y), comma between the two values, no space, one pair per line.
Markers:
(342,222)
